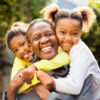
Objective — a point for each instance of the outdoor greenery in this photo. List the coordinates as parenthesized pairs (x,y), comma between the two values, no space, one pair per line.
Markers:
(92,38)
(18,10)
(27,10)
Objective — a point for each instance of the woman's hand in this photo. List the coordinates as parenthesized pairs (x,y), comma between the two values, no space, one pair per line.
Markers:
(46,80)
(41,91)
(27,74)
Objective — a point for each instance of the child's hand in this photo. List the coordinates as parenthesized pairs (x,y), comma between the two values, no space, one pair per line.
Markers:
(14,84)
(46,80)
(27,74)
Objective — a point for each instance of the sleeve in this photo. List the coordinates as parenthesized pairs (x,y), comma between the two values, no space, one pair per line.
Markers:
(18,64)
(4,95)
(26,86)
(58,61)
(79,67)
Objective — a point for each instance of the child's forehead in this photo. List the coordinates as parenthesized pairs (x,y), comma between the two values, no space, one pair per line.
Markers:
(67,21)
(19,37)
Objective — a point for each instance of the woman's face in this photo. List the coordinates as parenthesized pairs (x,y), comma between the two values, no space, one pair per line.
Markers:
(43,40)
(21,48)
(68,32)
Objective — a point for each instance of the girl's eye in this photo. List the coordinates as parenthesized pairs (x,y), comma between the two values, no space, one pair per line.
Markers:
(15,51)
(48,34)
(75,34)
(62,32)
(22,44)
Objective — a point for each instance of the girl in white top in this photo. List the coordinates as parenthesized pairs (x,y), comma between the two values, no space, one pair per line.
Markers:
(69,25)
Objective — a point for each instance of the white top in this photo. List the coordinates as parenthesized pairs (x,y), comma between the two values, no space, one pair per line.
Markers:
(82,64)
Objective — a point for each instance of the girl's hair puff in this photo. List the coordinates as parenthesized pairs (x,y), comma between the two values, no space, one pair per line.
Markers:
(21,25)
(83,14)
(50,12)
(88,17)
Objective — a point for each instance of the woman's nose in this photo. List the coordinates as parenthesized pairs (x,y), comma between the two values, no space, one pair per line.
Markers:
(44,40)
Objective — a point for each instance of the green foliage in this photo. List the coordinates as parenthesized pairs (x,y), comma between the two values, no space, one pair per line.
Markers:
(92,38)
(18,10)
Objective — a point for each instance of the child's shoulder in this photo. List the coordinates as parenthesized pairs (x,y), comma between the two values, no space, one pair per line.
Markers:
(18,60)
(80,49)
(81,46)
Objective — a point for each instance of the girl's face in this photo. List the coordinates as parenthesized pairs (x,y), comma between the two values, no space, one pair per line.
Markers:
(21,48)
(68,32)
(43,40)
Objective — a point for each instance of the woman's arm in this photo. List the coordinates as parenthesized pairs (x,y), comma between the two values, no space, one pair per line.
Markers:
(41,91)
(46,80)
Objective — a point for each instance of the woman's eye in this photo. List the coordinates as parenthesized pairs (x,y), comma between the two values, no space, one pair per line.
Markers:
(37,38)
(75,34)
(48,34)
(62,32)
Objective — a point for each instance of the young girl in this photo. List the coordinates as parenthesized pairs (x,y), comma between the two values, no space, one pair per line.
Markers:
(69,25)
(22,49)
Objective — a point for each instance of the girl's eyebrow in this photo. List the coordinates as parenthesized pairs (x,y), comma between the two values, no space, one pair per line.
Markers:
(61,29)
(13,49)
(20,42)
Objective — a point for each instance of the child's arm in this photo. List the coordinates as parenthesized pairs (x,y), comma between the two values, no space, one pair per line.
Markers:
(46,65)
(58,61)
(82,61)
(27,74)
(14,84)
(18,64)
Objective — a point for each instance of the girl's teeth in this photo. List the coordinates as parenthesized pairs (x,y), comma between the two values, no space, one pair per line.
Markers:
(25,55)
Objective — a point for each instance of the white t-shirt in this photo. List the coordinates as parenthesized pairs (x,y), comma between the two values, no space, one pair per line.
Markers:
(82,65)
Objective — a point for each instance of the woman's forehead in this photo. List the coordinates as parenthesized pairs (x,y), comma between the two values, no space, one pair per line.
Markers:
(40,24)
(40,27)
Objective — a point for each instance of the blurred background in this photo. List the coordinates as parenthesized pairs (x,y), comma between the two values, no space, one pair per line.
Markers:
(27,10)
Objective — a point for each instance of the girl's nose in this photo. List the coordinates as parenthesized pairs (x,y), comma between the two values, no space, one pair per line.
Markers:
(21,51)
(68,37)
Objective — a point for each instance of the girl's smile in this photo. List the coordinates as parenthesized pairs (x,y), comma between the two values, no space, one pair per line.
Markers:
(68,32)
(21,48)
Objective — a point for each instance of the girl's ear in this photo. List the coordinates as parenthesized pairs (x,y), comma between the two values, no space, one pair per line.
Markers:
(88,17)
(50,12)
